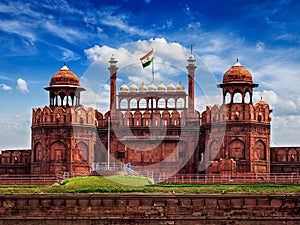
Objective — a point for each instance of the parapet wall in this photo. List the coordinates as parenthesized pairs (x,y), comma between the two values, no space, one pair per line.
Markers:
(150,208)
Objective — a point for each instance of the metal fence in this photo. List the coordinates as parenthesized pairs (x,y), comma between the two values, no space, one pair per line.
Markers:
(218,179)
(162,178)
(28,180)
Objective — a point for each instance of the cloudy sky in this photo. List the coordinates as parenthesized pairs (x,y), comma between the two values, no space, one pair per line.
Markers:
(38,37)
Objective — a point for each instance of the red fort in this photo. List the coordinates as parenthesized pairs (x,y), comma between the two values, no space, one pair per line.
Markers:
(154,128)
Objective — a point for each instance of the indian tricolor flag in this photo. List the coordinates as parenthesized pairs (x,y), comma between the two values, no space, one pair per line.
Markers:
(147,59)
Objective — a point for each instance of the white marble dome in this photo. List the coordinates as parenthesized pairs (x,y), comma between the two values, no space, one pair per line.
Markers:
(142,87)
(152,87)
(161,87)
(124,87)
(171,87)
(133,87)
(179,87)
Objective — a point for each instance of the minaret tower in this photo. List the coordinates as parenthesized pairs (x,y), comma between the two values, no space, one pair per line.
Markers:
(113,85)
(191,85)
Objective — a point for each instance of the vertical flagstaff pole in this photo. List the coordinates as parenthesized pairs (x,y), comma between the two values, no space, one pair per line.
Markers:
(108,143)
(153,69)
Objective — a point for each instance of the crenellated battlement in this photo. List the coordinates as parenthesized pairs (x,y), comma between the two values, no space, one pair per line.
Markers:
(146,118)
(15,161)
(63,116)
(260,112)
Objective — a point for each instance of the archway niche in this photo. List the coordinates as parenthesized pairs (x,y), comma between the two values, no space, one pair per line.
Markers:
(37,152)
(237,149)
(83,151)
(57,151)
(259,150)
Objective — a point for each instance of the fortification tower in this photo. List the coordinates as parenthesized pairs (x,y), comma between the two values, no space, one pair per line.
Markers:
(63,133)
(244,146)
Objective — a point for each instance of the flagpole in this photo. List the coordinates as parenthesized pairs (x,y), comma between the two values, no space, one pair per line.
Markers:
(108,144)
(153,69)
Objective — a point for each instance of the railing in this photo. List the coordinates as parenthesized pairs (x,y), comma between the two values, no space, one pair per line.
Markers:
(218,179)
(161,178)
(28,180)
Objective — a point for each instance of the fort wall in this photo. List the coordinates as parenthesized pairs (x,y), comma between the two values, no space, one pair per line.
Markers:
(150,208)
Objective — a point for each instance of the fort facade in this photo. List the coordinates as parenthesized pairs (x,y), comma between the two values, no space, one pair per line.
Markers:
(154,128)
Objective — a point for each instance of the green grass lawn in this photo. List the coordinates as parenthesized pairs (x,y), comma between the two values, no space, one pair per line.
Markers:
(127,184)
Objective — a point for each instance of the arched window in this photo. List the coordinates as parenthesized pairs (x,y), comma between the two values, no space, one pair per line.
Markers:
(123,104)
(180,103)
(247,97)
(227,98)
(142,103)
(237,97)
(133,104)
(259,150)
(237,149)
(171,103)
(161,103)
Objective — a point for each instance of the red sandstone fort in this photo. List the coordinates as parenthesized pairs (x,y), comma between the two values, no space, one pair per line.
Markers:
(153,128)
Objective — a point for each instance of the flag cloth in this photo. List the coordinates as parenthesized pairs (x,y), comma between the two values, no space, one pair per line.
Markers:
(147,59)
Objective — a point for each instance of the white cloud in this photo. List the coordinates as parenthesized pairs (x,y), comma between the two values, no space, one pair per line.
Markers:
(15,131)
(22,85)
(193,26)
(108,18)
(66,33)
(20,28)
(260,46)
(68,55)
(5,87)
(280,105)
(285,130)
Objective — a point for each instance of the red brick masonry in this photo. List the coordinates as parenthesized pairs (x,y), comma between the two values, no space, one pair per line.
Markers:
(185,209)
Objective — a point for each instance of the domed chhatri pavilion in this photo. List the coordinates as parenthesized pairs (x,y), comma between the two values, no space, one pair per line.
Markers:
(153,127)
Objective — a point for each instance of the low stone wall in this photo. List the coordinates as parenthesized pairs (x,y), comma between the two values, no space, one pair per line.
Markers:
(88,209)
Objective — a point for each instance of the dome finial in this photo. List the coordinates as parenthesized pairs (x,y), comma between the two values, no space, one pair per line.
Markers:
(64,67)
(237,62)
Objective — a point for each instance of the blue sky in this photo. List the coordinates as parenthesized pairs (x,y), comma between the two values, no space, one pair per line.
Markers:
(37,37)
